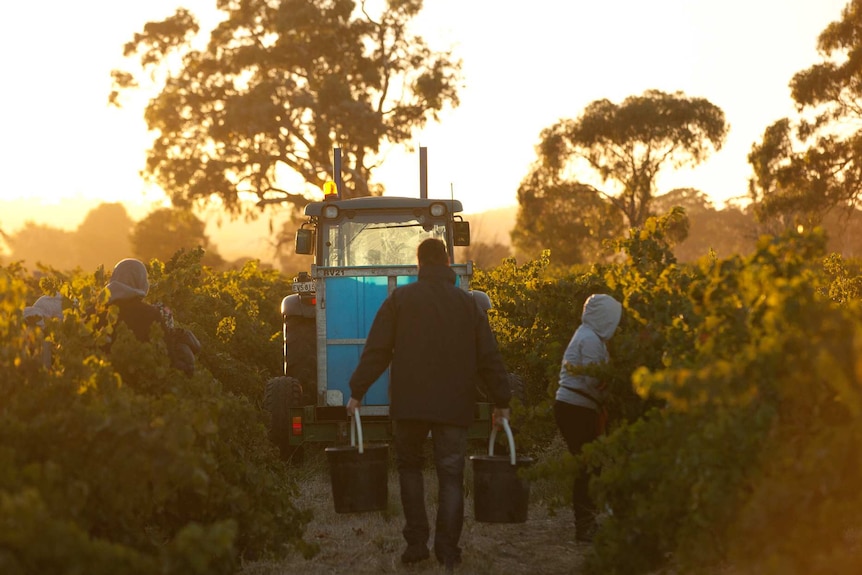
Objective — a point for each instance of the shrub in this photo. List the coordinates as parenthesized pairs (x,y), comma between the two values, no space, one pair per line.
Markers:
(125,463)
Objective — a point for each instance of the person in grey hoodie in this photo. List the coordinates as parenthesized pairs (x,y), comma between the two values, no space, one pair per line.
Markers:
(580,398)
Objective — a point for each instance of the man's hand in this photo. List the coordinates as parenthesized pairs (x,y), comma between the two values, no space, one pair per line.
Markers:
(352,405)
(500,413)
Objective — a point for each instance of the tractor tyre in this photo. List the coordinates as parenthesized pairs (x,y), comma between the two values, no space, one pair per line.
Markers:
(281,394)
(302,352)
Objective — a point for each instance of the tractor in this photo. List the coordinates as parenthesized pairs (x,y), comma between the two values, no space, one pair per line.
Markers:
(363,249)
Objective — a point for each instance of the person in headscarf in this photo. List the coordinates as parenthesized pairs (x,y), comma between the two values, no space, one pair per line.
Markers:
(127,288)
(46,307)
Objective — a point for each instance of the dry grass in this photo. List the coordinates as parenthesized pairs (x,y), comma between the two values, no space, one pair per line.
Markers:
(366,543)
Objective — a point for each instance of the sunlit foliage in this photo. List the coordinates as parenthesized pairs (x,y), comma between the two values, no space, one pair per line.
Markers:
(115,462)
(737,402)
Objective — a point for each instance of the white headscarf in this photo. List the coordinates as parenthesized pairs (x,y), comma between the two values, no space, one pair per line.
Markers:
(46,306)
(128,280)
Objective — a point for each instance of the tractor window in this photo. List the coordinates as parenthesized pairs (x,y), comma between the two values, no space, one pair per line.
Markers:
(362,242)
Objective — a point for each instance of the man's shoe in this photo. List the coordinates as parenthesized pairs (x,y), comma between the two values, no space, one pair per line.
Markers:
(415,554)
(449,562)
(586,535)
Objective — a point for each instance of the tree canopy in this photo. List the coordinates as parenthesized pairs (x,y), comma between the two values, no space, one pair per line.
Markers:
(628,144)
(101,239)
(805,167)
(625,145)
(279,85)
(724,232)
(42,244)
(568,218)
(165,231)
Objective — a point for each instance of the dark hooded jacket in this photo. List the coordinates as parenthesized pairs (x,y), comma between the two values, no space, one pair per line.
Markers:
(440,348)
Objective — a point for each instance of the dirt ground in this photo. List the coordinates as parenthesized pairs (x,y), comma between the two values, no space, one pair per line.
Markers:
(366,543)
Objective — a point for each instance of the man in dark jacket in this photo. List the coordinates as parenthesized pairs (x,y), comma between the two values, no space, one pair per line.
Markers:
(440,347)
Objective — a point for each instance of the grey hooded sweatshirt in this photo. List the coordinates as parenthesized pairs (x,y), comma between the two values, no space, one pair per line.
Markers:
(598,323)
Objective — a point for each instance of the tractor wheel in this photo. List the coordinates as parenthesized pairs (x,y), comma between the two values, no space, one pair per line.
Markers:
(281,394)
(302,352)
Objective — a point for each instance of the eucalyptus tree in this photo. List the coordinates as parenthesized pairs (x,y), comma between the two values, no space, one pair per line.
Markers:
(275,88)
(624,146)
(165,231)
(570,219)
(806,166)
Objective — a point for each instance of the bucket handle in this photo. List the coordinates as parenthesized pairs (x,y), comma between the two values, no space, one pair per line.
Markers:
(356,430)
(509,436)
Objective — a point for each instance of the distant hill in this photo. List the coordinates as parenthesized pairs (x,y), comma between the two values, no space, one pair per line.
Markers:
(493,226)
(233,239)
(240,238)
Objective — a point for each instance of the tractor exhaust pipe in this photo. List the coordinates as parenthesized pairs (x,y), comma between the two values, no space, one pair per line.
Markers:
(423,172)
(336,170)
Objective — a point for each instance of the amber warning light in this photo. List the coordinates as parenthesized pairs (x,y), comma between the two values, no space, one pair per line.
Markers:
(330,191)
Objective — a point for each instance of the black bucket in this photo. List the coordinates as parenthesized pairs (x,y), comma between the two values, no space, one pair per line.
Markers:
(359,474)
(499,494)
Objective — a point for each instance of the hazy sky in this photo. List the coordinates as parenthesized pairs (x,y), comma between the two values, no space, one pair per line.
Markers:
(526,65)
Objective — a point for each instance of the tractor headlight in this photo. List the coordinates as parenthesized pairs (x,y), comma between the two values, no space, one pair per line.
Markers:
(330,212)
(438,210)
